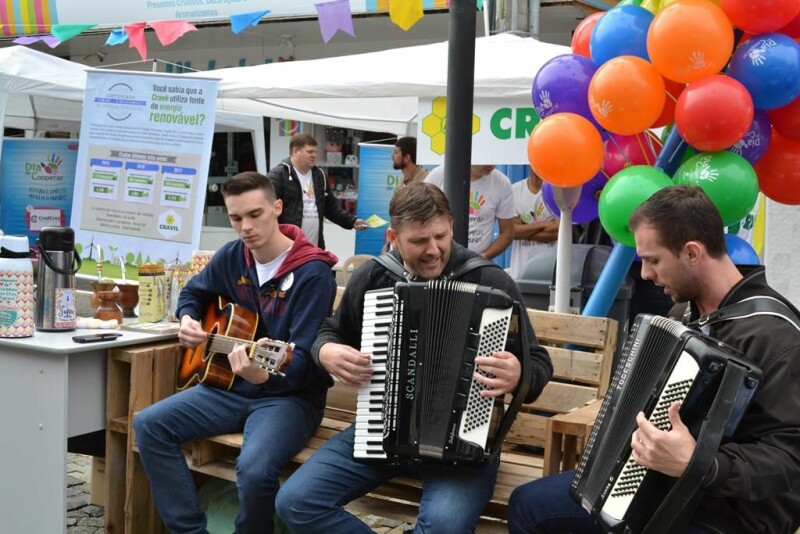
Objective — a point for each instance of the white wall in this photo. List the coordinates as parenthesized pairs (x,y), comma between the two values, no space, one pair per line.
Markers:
(782,250)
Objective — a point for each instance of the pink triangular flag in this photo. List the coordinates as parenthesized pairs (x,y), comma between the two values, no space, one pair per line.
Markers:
(136,38)
(335,16)
(169,31)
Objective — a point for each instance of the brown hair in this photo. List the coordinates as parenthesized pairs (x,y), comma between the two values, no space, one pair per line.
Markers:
(408,147)
(419,202)
(682,213)
(301,140)
(248,181)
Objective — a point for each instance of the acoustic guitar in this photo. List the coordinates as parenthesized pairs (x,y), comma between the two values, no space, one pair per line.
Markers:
(228,326)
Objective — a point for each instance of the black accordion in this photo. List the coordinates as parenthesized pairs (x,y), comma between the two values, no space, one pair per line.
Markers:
(422,402)
(662,361)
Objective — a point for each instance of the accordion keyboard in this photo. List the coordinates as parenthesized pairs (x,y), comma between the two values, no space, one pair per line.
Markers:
(377,321)
(632,475)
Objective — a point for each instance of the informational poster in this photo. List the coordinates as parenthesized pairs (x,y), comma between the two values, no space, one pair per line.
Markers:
(377,180)
(142,165)
(37,177)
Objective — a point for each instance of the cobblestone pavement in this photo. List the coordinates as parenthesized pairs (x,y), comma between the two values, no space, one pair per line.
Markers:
(85,518)
(82,517)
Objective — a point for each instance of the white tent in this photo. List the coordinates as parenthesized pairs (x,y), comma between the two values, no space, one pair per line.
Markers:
(43,92)
(379,91)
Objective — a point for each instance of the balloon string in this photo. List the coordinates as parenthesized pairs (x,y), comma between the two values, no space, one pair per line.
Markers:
(650,137)
(622,152)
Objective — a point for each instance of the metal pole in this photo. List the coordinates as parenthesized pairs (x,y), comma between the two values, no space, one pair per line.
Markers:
(458,134)
(534,12)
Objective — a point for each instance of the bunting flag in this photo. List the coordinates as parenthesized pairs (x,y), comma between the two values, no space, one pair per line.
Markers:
(169,31)
(405,13)
(62,32)
(240,23)
(136,38)
(335,16)
(116,37)
(49,40)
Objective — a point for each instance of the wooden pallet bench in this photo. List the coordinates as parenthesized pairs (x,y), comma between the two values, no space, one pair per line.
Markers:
(537,443)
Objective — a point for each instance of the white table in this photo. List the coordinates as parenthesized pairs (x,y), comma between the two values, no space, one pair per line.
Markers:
(51,388)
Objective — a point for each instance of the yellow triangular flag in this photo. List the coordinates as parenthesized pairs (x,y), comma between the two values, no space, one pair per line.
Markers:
(405,13)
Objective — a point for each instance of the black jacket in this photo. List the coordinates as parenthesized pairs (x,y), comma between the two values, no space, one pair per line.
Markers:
(757,482)
(287,188)
(345,326)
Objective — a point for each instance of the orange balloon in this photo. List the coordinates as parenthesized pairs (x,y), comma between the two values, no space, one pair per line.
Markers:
(583,33)
(565,150)
(626,95)
(689,40)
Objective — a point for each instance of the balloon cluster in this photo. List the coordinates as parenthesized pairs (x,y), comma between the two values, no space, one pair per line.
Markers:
(724,74)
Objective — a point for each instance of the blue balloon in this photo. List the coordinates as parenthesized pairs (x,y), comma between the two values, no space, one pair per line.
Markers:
(754,143)
(740,251)
(622,31)
(768,65)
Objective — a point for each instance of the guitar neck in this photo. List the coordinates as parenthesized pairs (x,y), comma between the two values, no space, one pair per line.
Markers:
(272,355)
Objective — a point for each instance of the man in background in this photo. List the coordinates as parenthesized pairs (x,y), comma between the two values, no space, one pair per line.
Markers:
(404,158)
(489,201)
(306,194)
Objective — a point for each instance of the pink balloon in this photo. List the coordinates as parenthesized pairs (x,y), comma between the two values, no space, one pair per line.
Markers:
(622,151)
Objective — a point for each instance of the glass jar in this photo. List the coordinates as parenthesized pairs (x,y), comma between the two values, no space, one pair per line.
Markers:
(152,289)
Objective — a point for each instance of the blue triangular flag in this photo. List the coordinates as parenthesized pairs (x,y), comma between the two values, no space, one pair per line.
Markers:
(239,23)
(116,37)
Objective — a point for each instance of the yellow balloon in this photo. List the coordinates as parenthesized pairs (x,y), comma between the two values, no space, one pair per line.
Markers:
(651,5)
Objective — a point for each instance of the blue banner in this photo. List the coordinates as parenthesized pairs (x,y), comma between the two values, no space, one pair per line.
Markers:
(377,180)
(37,177)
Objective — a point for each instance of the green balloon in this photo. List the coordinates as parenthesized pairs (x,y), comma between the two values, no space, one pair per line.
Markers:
(625,192)
(727,178)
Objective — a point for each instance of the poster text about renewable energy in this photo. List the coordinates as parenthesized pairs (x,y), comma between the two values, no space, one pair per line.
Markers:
(142,165)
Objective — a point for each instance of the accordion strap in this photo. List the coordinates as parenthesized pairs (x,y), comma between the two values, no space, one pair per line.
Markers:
(394,266)
(750,307)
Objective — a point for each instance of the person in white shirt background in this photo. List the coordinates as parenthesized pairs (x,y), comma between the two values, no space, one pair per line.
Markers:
(535,228)
(490,200)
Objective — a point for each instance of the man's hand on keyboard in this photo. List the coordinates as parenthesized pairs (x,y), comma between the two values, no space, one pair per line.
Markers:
(349,365)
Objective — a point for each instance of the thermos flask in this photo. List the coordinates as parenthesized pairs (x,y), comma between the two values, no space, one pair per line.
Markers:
(55,280)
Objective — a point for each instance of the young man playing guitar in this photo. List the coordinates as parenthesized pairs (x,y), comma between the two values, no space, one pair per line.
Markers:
(274,271)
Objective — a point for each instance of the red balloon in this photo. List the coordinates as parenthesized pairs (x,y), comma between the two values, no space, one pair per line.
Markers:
(787,119)
(713,113)
(793,28)
(779,170)
(623,151)
(582,34)
(760,16)
(674,90)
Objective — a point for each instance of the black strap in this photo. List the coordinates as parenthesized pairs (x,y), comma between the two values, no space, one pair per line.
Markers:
(749,307)
(394,266)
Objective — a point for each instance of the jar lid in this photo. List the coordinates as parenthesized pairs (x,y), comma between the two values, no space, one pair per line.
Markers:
(15,243)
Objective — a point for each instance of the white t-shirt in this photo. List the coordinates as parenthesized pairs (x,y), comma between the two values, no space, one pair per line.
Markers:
(310,214)
(266,271)
(530,209)
(489,199)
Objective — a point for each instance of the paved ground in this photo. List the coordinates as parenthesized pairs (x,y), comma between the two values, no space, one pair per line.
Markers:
(84,518)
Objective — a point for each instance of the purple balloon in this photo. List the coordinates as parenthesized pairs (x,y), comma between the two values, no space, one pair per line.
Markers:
(753,144)
(586,209)
(562,86)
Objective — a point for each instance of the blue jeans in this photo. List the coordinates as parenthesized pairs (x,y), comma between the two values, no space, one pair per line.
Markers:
(274,428)
(545,506)
(313,498)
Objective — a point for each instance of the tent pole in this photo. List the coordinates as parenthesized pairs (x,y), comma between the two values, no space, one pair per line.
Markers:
(458,134)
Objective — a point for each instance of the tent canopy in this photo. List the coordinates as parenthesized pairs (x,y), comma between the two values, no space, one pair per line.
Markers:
(379,91)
